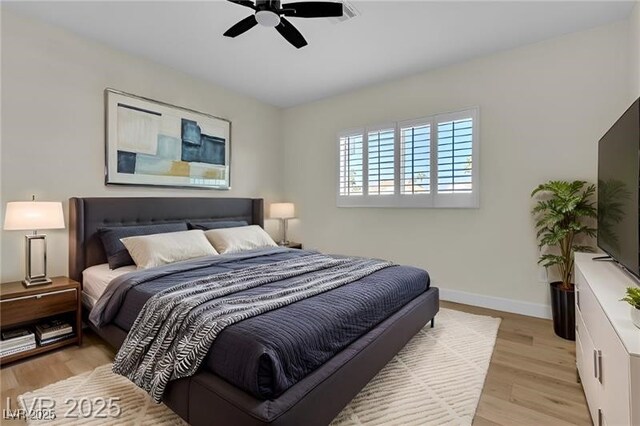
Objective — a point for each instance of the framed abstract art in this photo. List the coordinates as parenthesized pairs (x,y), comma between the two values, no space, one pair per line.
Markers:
(152,143)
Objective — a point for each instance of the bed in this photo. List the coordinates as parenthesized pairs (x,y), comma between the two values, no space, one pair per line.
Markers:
(206,397)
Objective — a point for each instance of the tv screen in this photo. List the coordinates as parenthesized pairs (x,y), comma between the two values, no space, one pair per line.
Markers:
(618,187)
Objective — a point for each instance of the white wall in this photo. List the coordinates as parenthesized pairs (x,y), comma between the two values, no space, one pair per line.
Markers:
(53,126)
(543,108)
(634,50)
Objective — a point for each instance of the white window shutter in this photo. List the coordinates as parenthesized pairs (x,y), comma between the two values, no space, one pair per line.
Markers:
(421,163)
(381,162)
(415,159)
(351,165)
(455,156)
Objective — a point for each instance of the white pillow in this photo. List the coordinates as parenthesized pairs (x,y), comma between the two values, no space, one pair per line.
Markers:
(159,249)
(233,240)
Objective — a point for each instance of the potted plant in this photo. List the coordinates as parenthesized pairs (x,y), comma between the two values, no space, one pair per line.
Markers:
(633,299)
(563,215)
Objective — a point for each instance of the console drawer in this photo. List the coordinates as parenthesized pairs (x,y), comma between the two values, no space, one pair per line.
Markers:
(595,320)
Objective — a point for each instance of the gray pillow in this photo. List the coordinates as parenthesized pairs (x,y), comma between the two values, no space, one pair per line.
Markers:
(117,254)
(217,224)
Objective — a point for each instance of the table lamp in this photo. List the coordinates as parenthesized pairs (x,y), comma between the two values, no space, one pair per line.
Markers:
(284,212)
(32,216)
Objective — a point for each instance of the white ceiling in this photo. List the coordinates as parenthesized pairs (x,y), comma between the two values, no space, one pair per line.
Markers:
(389,39)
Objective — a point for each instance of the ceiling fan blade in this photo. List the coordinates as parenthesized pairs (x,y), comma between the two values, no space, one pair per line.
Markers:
(243,26)
(246,3)
(289,32)
(312,9)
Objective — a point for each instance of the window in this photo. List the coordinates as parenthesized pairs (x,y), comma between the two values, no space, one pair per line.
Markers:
(351,165)
(415,157)
(455,159)
(428,162)
(381,155)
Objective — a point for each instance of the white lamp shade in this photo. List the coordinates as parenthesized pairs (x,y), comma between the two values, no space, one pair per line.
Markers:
(33,215)
(282,211)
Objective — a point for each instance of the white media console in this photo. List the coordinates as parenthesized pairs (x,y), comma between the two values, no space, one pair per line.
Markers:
(607,343)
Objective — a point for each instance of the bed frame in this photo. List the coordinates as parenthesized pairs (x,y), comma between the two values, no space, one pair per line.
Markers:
(206,399)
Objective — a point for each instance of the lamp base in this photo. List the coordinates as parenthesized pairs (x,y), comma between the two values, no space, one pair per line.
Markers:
(36,281)
(283,243)
(40,276)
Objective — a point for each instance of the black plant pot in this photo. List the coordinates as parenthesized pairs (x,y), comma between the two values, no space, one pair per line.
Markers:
(564,311)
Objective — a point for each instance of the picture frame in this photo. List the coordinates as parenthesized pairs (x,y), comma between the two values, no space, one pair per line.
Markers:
(153,143)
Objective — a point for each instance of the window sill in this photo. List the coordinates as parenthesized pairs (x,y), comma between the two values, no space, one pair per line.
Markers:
(440,201)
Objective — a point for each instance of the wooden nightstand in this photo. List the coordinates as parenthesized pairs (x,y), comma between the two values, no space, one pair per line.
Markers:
(292,245)
(22,306)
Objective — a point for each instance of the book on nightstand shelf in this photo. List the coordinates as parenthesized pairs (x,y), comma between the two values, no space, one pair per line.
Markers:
(53,330)
(44,342)
(16,341)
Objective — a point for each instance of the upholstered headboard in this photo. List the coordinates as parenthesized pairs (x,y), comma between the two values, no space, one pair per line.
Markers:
(86,215)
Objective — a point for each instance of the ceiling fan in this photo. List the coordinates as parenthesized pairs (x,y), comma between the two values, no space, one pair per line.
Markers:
(270,13)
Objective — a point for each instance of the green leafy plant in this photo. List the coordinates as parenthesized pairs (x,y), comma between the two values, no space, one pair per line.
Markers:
(632,297)
(561,212)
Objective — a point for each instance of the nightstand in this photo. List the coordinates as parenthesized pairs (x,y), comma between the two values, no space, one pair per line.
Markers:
(22,306)
(292,245)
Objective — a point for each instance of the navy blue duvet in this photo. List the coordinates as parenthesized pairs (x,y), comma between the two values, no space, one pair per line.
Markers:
(267,354)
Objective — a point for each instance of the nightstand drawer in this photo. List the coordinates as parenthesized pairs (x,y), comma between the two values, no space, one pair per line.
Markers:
(27,308)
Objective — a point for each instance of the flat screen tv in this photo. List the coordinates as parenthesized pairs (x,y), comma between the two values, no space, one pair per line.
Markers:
(618,190)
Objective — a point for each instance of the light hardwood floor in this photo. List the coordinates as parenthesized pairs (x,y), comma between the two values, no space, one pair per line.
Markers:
(532,375)
(531,378)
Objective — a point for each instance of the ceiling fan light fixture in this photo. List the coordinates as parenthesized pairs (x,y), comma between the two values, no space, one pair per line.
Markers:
(267,18)
(270,13)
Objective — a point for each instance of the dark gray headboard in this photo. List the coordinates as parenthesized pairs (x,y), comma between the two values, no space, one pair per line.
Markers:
(86,215)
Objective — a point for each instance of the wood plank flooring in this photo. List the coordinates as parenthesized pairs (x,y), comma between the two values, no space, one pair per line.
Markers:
(532,375)
(531,378)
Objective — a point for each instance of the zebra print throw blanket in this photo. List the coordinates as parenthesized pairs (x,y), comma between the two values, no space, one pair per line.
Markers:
(176,327)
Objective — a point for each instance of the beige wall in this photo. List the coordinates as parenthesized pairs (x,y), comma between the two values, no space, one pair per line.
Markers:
(543,108)
(634,49)
(53,127)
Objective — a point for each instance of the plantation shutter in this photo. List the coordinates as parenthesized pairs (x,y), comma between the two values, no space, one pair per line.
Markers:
(415,159)
(381,162)
(427,162)
(455,156)
(351,165)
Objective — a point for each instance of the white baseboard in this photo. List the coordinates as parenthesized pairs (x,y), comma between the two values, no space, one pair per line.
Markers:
(498,303)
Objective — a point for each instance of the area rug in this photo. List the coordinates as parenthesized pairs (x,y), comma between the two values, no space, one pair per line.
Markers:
(436,379)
